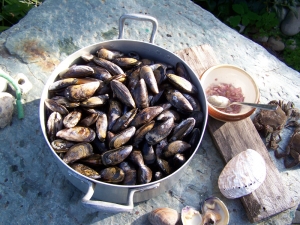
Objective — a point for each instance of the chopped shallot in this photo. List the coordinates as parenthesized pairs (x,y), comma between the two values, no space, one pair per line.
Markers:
(228,91)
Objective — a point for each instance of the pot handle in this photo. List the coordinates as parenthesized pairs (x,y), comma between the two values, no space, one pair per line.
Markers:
(108,206)
(141,17)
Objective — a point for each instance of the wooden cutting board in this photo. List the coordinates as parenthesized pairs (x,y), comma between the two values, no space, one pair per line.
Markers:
(230,138)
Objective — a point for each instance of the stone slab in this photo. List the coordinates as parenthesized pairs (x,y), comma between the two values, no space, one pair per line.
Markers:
(32,188)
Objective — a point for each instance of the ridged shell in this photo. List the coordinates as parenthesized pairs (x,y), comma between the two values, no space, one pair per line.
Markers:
(163,216)
(243,174)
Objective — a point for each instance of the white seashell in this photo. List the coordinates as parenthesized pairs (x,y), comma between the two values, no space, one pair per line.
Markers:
(243,174)
(190,216)
(163,216)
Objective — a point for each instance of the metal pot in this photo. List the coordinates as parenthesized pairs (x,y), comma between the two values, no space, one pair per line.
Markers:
(113,197)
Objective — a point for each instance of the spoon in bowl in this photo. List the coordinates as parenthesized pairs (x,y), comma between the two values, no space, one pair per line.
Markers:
(222,102)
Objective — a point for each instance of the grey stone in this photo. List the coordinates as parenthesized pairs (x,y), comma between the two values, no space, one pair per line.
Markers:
(262,39)
(276,45)
(33,189)
(290,26)
(6,108)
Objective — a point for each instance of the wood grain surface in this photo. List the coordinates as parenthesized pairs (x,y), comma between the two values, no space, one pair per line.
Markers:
(230,138)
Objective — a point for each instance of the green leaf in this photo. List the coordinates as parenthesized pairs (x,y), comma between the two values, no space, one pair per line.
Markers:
(245,20)
(238,9)
(234,20)
(2,28)
(252,16)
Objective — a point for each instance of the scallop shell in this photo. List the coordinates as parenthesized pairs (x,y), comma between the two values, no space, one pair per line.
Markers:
(243,174)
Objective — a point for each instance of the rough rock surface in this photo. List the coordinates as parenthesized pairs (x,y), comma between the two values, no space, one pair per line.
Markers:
(32,188)
(290,26)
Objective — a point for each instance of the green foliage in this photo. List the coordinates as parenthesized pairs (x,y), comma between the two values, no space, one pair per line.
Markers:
(292,57)
(243,15)
(11,11)
(260,18)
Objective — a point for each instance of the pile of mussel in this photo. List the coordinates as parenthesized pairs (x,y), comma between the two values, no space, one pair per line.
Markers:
(122,119)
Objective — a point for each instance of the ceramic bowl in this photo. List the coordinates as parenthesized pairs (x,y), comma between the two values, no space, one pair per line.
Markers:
(236,76)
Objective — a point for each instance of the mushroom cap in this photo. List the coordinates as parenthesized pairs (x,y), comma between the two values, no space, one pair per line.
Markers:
(243,174)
